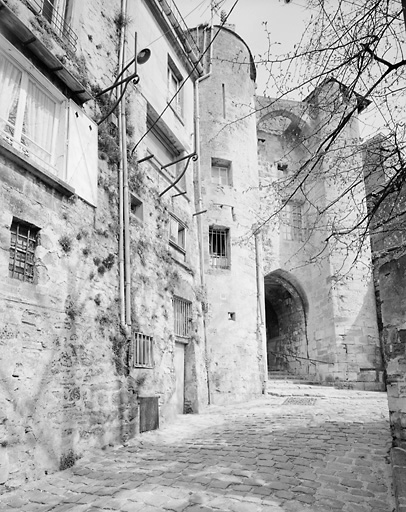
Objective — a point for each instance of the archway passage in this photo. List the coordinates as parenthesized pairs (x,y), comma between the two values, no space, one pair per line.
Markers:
(286,309)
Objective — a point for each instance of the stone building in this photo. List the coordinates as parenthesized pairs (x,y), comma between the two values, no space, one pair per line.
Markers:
(101,297)
(229,187)
(319,294)
(146,266)
(383,168)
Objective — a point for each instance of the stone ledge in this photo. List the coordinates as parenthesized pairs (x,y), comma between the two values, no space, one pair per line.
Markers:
(40,173)
(398,459)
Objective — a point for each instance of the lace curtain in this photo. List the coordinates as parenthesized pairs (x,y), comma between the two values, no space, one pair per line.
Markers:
(10,82)
(34,130)
(38,124)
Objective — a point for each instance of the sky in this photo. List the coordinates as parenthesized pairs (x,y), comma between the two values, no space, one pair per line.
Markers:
(285,22)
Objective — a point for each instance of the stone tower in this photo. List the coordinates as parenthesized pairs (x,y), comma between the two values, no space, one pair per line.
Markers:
(229,192)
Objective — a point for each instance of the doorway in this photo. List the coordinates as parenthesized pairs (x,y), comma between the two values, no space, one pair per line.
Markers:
(179,361)
(286,310)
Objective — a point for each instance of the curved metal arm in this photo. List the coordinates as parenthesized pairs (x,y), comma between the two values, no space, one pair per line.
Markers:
(136,79)
(192,156)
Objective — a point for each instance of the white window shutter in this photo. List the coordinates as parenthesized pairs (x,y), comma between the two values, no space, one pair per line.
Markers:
(81,170)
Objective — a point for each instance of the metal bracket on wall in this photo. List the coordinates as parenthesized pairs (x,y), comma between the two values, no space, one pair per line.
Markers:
(192,156)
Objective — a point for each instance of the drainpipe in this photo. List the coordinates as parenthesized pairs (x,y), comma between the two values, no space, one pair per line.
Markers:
(124,234)
(261,304)
(200,198)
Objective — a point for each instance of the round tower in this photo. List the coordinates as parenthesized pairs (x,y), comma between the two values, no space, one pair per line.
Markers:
(228,182)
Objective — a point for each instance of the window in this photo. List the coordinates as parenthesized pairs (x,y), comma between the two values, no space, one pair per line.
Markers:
(175,93)
(136,206)
(165,148)
(182,312)
(141,351)
(177,233)
(29,114)
(221,172)
(292,221)
(219,249)
(58,13)
(219,175)
(282,167)
(36,120)
(24,240)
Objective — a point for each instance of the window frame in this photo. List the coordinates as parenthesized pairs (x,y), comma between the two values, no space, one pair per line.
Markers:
(30,73)
(142,351)
(181,228)
(221,164)
(28,277)
(136,207)
(220,235)
(292,221)
(219,180)
(158,138)
(175,95)
(182,318)
(58,13)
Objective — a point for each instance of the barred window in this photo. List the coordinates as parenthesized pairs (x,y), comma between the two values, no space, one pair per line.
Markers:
(292,221)
(219,247)
(182,312)
(59,15)
(141,351)
(24,239)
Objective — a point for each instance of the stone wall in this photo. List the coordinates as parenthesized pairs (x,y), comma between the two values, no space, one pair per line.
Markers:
(335,276)
(227,125)
(66,382)
(389,259)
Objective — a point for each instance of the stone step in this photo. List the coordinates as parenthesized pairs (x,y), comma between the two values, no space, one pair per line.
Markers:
(276,375)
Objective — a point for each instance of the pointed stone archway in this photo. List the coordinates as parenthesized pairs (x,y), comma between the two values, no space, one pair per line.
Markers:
(286,312)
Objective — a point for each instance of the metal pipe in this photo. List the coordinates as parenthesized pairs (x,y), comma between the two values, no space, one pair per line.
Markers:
(261,305)
(124,241)
(120,211)
(126,206)
(199,206)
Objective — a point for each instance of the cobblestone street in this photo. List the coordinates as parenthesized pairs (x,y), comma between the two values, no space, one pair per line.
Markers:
(301,448)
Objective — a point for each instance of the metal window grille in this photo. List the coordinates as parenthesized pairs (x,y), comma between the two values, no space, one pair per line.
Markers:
(142,351)
(292,221)
(219,247)
(22,250)
(182,312)
(58,20)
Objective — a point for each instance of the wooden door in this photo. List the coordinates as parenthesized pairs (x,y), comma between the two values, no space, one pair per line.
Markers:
(180,377)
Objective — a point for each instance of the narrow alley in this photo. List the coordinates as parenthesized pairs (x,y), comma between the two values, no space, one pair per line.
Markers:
(299,448)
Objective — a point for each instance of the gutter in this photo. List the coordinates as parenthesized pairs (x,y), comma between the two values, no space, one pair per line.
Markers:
(124,220)
(199,195)
(261,306)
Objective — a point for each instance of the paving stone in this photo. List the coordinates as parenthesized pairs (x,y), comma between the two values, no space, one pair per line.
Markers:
(286,495)
(244,507)
(352,483)
(251,457)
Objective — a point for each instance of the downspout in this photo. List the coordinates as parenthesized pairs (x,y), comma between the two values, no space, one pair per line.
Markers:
(200,198)
(261,306)
(124,234)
